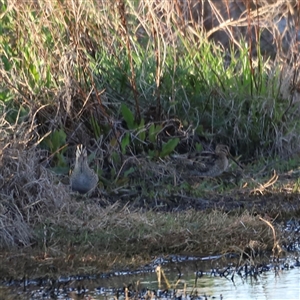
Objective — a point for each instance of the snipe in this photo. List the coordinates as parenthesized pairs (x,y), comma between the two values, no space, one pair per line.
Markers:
(83,179)
(208,164)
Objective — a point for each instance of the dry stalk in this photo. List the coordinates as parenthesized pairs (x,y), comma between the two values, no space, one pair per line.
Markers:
(277,250)
(157,50)
(264,186)
(161,274)
(125,35)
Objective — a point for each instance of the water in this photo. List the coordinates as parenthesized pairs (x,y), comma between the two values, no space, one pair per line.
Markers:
(214,283)
(284,285)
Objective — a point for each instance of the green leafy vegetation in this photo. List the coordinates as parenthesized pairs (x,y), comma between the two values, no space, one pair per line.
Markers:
(81,64)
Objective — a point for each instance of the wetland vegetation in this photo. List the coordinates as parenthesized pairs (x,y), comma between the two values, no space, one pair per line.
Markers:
(136,82)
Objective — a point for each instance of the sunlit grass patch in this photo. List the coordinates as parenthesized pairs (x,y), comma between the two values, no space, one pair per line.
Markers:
(117,229)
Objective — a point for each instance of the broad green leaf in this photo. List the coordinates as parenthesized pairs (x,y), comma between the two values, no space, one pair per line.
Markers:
(125,142)
(48,77)
(128,172)
(128,116)
(153,132)
(6,63)
(158,128)
(153,153)
(169,147)
(142,134)
(58,139)
(152,135)
(199,147)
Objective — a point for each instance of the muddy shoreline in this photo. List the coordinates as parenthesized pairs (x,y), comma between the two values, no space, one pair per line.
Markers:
(124,282)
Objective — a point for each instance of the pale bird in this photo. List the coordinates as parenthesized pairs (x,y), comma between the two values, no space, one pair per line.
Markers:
(83,179)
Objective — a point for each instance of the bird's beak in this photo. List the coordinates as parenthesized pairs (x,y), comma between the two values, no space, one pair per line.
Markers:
(236,161)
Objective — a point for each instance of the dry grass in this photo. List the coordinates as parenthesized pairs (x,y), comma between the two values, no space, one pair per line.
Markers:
(83,236)
(89,58)
(29,191)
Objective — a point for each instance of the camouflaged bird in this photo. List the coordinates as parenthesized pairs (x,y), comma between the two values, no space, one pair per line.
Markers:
(207,164)
(83,179)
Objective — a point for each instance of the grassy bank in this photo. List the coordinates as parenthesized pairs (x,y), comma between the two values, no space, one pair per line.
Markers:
(135,82)
(99,240)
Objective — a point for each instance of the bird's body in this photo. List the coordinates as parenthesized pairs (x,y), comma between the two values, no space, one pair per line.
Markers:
(207,164)
(83,179)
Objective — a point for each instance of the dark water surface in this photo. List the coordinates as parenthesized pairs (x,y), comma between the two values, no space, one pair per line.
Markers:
(209,278)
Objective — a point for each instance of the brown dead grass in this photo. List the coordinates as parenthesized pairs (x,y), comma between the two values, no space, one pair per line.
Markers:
(226,22)
(28,190)
(115,238)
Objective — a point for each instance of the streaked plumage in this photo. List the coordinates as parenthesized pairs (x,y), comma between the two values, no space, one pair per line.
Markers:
(207,164)
(83,179)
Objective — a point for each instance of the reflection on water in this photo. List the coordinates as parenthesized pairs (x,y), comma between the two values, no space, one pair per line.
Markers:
(280,284)
(273,284)
(284,285)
